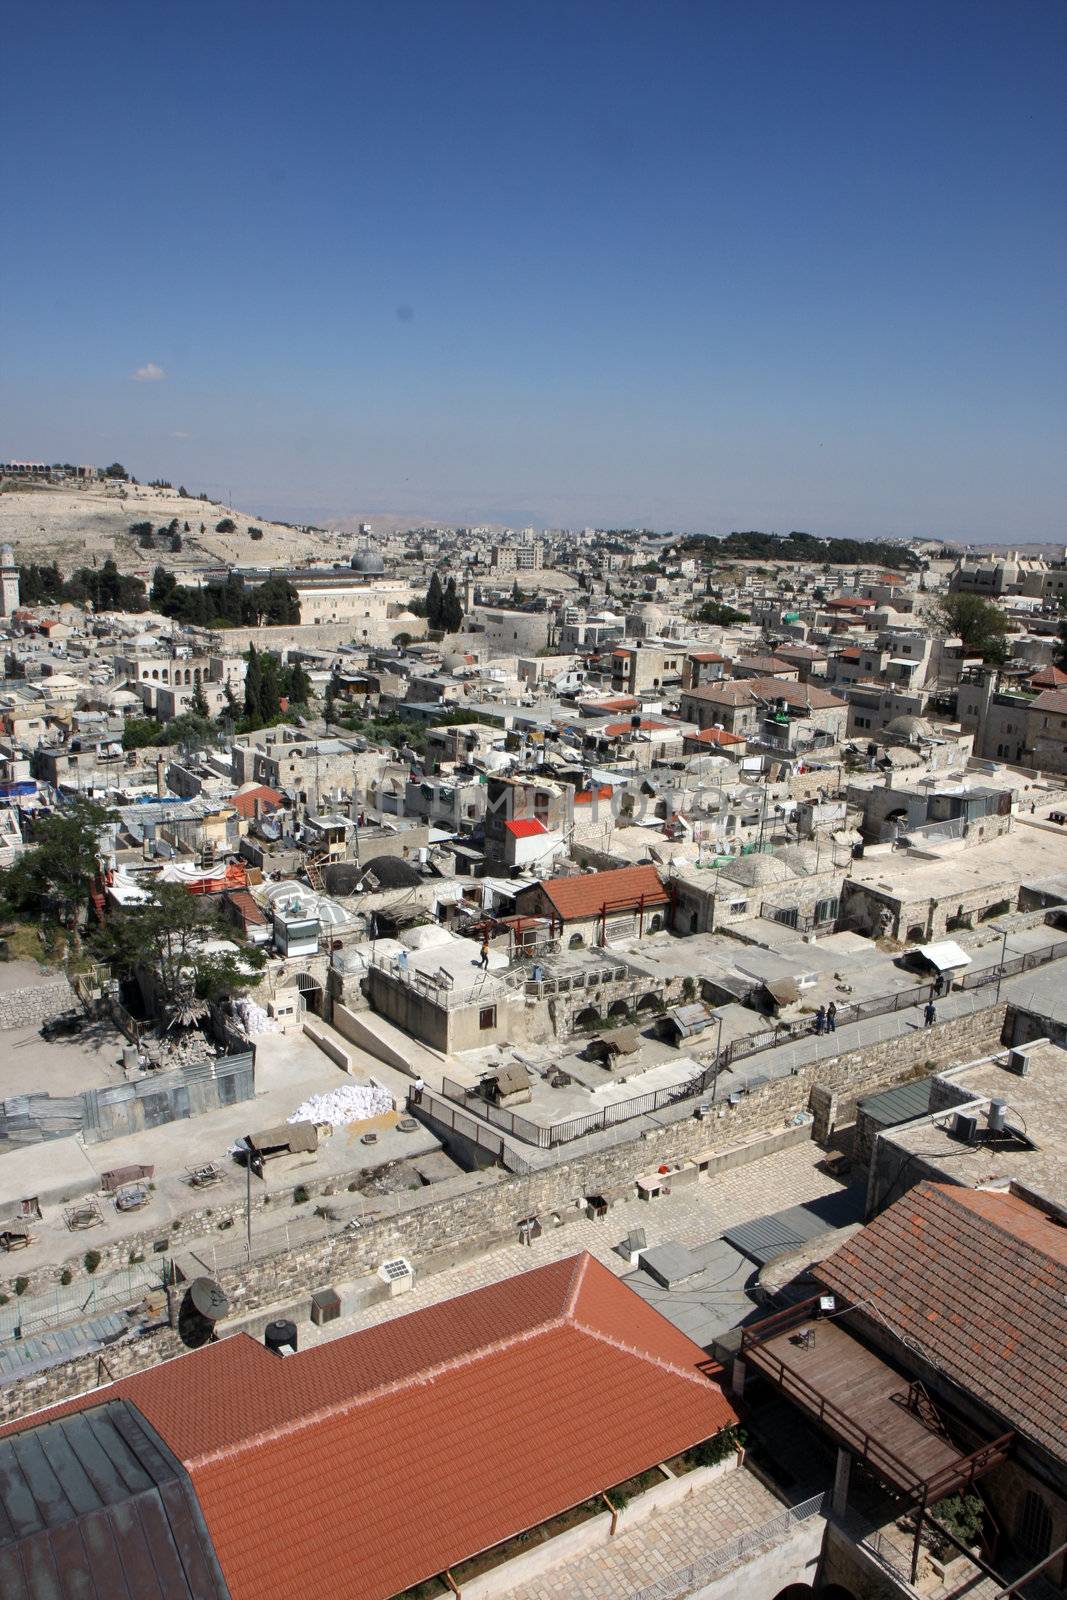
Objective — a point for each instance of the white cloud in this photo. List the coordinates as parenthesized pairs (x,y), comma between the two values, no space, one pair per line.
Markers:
(149,373)
(181,436)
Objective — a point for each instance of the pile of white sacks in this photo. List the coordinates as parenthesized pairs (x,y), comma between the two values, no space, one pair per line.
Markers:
(351,1102)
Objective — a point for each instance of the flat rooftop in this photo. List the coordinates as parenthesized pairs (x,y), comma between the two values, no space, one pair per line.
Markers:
(1023,855)
(1034,1105)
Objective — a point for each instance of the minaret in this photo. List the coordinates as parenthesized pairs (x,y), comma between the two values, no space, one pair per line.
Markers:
(9,582)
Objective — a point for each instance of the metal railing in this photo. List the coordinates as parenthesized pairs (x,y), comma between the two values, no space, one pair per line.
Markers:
(724,1556)
(545,1136)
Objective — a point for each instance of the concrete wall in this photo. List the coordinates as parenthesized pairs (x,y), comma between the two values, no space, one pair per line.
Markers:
(29,1007)
(847,1078)
(794,1560)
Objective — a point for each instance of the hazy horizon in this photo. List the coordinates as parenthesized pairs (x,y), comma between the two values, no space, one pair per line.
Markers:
(690,266)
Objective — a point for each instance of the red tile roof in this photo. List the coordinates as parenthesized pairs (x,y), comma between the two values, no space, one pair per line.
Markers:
(1048,678)
(404,1449)
(244,802)
(715,736)
(525,827)
(587,895)
(1051,700)
(849,603)
(976,1280)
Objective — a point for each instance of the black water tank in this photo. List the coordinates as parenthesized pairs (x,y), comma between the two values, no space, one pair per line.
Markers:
(280,1335)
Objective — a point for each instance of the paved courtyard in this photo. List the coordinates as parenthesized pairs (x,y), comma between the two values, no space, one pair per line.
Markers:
(667,1541)
(689,1216)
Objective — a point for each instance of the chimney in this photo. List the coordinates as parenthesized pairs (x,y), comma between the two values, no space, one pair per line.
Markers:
(161,787)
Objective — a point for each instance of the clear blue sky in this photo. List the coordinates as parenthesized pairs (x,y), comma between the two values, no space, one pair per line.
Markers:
(691,264)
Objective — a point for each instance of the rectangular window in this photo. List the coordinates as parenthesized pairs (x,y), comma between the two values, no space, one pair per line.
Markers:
(737,906)
(825,910)
(487,1017)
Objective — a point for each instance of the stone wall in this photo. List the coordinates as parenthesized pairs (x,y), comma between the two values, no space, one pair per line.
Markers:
(40,1002)
(849,1077)
(435,1231)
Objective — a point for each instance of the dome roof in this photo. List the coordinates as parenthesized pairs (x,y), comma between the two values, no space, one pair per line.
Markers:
(391,872)
(910,727)
(801,859)
(7,556)
(368,561)
(757,869)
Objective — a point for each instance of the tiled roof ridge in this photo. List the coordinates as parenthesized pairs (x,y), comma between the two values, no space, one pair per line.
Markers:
(334,1410)
(690,1374)
(574,1288)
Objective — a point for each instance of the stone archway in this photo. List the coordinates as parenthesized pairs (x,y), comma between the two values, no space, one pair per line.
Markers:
(311,993)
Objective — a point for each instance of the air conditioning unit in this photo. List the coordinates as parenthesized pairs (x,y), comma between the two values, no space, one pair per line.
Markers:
(1019,1062)
(965,1128)
(398,1276)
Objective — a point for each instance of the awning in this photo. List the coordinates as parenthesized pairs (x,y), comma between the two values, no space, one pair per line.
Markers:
(945,955)
(783,991)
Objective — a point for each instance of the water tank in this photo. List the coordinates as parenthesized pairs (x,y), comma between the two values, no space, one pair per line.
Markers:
(280,1336)
(997,1112)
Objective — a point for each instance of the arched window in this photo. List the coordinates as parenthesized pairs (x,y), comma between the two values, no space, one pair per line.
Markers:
(576,941)
(1034,1530)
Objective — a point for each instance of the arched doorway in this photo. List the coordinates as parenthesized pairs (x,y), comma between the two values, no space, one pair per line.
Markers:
(795,1591)
(311,993)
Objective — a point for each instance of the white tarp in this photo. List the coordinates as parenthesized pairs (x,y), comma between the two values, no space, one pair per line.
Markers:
(945,955)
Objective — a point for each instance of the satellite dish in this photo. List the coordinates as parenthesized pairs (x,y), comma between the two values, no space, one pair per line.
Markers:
(208,1299)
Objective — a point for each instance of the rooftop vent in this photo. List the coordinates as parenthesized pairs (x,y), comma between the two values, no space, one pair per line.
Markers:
(280,1337)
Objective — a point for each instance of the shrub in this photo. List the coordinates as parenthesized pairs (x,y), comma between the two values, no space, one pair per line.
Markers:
(300,1195)
(21,1285)
(961,1514)
(4,1298)
(255,533)
(722,1444)
(66,1276)
(226,525)
(91,1260)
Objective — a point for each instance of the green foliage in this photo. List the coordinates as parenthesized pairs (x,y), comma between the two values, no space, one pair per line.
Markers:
(191,731)
(21,1285)
(443,612)
(101,588)
(116,470)
(54,876)
(226,525)
(91,1260)
(231,604)
(166,935)
(66,1276)
(805,547)
(980,624)
(962,1515)
(255,533)
(718,611)
(198,705)
(709,1452)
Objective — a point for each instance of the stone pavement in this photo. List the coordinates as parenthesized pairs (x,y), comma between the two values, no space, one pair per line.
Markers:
(667,1541)
(688,1215)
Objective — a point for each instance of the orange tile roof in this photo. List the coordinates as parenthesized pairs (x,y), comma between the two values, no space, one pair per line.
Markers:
(404,1449)
(1048,678)
(977,1281)
(618,730)
(590,893)
(244,802)
(715,736)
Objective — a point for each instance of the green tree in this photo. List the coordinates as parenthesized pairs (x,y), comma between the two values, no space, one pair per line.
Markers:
(225,525)
(52,879)
(435,599)
(198,705)
(254,688)
(451,609)
(166,936)
(980,624)
(116,470)
(300,689)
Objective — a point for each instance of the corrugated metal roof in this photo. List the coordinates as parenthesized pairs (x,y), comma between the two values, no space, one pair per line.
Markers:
(768,1237)
(897,1105)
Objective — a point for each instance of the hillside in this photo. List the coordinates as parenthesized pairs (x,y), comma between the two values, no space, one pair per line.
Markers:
(72,525)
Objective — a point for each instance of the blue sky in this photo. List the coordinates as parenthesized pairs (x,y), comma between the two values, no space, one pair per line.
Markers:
(675,262)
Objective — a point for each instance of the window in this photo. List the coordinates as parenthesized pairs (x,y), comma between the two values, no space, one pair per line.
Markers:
(487,1017)
(825,910)
(737,906)
(1034,1531)
(787,915)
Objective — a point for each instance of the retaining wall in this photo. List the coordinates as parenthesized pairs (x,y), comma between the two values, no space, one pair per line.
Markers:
(37,1003)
